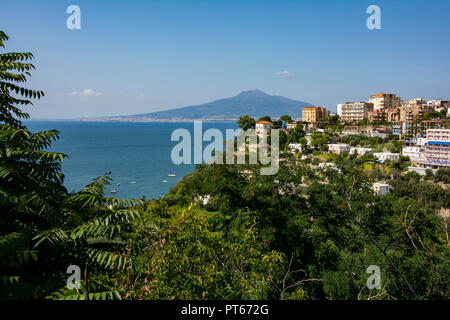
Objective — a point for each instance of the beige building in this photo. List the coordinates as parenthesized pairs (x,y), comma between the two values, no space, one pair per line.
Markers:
(355,111)
(385,101)
(313,114)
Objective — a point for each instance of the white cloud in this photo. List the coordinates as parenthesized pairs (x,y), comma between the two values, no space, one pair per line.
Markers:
(285,73)
(85,92)
(88,92)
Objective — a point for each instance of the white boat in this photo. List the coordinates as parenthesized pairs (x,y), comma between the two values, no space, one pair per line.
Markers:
(118,184)
(165,181)
(133,182)
(172,175)
(113,191)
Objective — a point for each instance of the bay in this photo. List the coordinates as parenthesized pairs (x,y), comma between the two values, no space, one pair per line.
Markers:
(131,151)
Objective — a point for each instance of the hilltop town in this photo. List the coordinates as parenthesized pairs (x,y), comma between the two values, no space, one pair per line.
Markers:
(383,133)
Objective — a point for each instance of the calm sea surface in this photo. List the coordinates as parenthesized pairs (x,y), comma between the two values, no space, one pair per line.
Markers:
(131,151)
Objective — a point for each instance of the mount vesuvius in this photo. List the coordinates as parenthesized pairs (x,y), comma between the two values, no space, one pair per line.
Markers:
(254,103)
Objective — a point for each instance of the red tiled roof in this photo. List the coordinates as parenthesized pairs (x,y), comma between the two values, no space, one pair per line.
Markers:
(265,122)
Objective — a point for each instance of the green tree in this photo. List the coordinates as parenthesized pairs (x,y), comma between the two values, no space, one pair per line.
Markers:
(286,118)
(43,229)
(246,122)
(296,134)
(432,115)
(265,118)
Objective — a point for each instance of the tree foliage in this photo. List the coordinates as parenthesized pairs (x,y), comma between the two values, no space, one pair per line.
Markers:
(222,232)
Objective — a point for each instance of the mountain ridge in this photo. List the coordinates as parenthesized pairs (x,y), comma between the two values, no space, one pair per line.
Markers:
(254,103)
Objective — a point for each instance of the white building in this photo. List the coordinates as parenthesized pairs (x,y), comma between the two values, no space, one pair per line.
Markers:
(295,146)
(381,188)
(355,111)
(421,141)
(329,165)
(414,153)
(360,151)
(383,156)
(263,127)
(291,126)
(438,105)
(339,109)
(437,149)
(381,135)
(338,148)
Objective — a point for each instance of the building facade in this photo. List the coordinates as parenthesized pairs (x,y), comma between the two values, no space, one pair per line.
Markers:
(360,151)
(338,148)
(381,188)
(438,105)
(415,153)
(263,127)
(355,111)
(385,101)
(384,156)
(437,148)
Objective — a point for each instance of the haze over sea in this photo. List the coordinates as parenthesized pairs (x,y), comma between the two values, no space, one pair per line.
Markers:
(130,151)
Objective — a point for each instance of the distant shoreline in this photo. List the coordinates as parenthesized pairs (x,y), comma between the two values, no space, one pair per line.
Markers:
(135,120)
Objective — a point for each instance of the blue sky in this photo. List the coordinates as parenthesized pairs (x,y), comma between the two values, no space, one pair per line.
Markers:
(143,56)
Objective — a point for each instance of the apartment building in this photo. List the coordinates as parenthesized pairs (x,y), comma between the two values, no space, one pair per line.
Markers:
(385,101)
(354,111)
(384,115)
(339,109)
(405,118)
(438,105)
(263,127)
(437,148)
(313,114)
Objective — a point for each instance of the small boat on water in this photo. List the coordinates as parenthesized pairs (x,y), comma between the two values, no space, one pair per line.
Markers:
(172,175)
(113,191)
(133,182)
(118,184)
(165,181)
